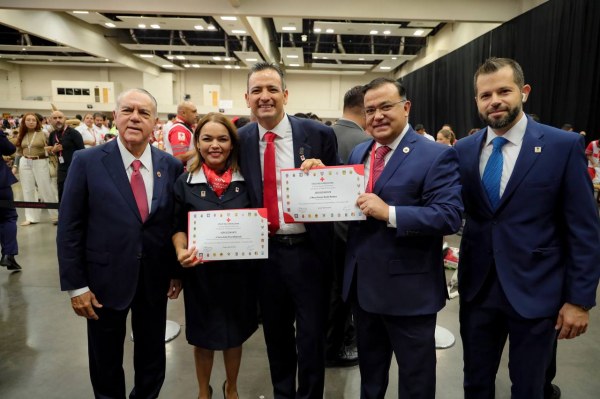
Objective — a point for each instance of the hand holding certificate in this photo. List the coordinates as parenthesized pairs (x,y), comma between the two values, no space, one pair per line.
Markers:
(229,234)
(323,194)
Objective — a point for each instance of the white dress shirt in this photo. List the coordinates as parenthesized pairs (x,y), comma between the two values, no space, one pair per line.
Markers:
(510,150)
(284,159)
(392,145)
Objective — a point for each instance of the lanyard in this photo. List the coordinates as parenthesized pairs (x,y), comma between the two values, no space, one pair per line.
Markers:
(30,142)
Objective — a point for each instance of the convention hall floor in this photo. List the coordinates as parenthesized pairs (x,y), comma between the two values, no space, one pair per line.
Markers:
(43,344)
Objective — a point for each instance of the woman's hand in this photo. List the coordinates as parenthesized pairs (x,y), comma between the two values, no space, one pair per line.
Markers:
(187,257)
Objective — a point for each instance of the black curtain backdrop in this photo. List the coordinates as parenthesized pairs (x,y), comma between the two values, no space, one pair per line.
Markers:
(558,47)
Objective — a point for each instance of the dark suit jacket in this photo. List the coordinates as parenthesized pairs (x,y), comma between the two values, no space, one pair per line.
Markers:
(71,141)
(7,148)
(311,139)
(544,238)
(348,134)
(102,242)
(400,271)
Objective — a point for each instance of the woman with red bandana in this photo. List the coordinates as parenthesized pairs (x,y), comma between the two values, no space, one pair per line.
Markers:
(220,297)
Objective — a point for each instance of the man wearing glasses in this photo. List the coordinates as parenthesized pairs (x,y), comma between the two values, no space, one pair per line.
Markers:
(394,275)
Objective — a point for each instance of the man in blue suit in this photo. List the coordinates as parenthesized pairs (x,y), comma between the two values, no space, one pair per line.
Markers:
(293,281)
(8,216)
(394,275)
(114,248)
(530,251)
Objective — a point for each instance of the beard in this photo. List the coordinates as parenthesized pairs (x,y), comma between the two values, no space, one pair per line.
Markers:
(501,123)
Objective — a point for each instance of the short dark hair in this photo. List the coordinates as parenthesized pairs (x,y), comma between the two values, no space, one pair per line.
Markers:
(494,64)
(171,116)
(354,98)
(378,82)
(419,126)
(567,126)
(262,66)
(99,114)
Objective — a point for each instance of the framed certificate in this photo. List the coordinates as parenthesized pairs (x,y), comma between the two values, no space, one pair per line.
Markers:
(323,194)
(229,234)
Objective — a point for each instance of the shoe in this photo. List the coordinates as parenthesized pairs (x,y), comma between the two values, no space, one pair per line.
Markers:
(348,357)
(225,395)
(555,393)
(10,262)
(27,223)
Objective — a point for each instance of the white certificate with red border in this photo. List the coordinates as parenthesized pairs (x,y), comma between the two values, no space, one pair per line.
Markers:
(323,194)
(229,234)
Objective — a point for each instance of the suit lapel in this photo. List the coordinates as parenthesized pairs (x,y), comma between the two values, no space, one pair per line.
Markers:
(531,149)
(253,173)
(473,167)
(402,151)
(302,149)
(113,162)
(159,176)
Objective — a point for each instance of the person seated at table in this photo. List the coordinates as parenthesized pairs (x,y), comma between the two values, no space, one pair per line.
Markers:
(220,297)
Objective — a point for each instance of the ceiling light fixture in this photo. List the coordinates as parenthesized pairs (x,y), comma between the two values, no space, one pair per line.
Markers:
(251,59)
(217,58)
(81,12)
(227,59)
(419,32)
(295,65)
(167,66)
(211,27)
(196,65)
(385,67)
(227,66)
(238,31)
(198,27)
(387,32)
(224,18)
(143,26)
(186,65)
(394,58)
(146,55)
(291,56)
(180,57)
(361,59)
(329,30)
(288,28)
(155,26)
(170,57)
(236,67)
(317,30)
(373,32)
(110,24)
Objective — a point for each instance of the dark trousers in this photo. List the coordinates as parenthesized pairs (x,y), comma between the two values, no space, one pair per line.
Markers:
(340,328)
(105,348)
(292,288)
(8,224)
(410,338)
(61,176)
(485,324)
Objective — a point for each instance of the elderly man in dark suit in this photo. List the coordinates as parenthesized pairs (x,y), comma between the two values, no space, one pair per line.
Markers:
(530,252)
(114,248)
(394,276)
(293,285)
(8,216)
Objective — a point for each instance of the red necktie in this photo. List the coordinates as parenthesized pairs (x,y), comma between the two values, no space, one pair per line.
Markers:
(270,184)
(139,189)
(379,162)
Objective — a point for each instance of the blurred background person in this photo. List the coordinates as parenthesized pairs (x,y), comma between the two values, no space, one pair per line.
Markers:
(220,297)
(88,131)
(446,136)
(8,216)
(33,168)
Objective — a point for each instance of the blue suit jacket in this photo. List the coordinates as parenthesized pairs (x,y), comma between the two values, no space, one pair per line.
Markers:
(399,271)
(544,237)
(7,148)
(311,140)
(102,242)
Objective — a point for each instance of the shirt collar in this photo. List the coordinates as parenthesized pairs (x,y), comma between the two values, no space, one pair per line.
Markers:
(396,141)
(128,157)
(198,177)
(283,128)
(514,135)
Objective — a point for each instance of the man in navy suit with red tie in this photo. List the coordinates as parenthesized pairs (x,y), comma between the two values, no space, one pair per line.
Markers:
(394,275)
(293,281)
(530,250)
(114,248)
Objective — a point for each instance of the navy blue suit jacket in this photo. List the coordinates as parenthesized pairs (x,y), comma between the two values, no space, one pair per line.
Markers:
(102,242)
(399,271)
(311,140)
(544,237)
(7,148)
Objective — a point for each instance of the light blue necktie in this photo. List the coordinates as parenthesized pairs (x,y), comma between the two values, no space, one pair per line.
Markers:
(493,172)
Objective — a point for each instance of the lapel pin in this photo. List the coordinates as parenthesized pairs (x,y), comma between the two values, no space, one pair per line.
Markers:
(158,173)
(302,158)
(203,193)
(405,150)
(237,189)
(537,150)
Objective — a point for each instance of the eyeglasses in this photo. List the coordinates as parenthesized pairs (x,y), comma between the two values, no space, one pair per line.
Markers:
(384,108)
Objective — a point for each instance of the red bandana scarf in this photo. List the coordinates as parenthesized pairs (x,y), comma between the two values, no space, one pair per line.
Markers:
(218,183)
